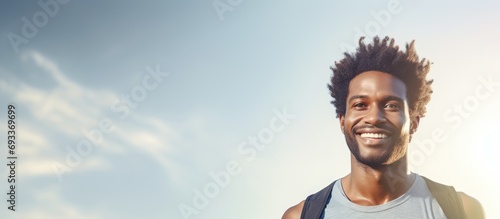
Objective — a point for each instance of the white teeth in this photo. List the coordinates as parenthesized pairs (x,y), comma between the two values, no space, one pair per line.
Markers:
(373,135)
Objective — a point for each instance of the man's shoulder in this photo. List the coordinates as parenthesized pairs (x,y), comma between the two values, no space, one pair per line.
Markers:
(320,198)
(472,207)
(294,212)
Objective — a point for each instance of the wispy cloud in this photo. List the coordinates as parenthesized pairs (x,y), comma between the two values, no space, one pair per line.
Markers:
(54,71)
(54,118)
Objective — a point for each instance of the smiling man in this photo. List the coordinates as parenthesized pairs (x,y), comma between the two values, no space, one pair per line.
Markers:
(380,93)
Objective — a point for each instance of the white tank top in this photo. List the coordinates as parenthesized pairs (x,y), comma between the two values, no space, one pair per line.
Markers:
(417,202)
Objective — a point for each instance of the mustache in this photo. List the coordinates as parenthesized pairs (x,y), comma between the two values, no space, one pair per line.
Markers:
(385,128)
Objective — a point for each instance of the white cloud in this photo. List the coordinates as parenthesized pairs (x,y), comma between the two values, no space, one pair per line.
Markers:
(54,207)
(66,110)
(153,139)
(54,71)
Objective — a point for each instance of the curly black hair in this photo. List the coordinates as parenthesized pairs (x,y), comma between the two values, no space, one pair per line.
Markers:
(383,56)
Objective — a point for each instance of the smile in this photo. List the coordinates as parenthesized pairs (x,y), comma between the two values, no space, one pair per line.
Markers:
(373,135)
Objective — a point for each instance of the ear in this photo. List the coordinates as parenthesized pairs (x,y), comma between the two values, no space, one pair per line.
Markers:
(414,124)
(341,121)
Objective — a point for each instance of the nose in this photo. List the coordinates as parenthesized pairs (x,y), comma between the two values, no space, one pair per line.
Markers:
(374,116)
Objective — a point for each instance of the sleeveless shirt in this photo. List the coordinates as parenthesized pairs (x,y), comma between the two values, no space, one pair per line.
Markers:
(417,202)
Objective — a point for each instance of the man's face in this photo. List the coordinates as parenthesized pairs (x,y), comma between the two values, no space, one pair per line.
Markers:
(377,124)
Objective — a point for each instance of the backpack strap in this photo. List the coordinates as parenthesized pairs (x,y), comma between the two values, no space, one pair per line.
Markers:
(315,203)
(447,198)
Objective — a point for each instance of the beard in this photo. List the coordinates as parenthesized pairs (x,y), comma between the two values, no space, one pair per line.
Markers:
(396,150)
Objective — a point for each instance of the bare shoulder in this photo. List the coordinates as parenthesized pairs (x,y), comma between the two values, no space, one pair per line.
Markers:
(473,208)
(294,212)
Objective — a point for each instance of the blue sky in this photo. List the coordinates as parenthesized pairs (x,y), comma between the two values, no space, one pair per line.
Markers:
(202,83)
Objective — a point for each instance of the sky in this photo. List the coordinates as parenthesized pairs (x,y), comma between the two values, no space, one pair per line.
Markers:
(220,108)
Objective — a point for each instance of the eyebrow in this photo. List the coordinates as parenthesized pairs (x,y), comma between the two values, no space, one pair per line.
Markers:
(385,99)
(358,97)
(391,98)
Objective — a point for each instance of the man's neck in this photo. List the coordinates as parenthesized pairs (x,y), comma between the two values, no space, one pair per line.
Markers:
(374,186)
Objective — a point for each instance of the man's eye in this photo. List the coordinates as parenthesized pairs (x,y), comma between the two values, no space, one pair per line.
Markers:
(359,105)
(392,106)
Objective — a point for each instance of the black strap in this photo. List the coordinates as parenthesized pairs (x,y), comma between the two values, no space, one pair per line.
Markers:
(447,198)
(315,204)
